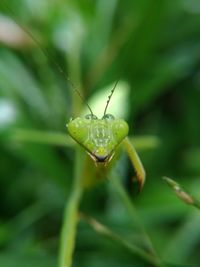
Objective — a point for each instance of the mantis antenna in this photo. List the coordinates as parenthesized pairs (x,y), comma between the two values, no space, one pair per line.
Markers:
(109,97)
(48,55)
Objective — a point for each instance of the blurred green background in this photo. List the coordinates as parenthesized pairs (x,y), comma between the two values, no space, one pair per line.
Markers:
(152,45)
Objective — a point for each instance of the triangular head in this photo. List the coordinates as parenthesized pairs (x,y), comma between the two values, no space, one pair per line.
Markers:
(100,137)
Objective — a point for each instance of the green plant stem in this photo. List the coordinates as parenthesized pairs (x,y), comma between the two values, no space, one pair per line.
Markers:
(134,216)
(182,193)
(105,231)
(69,228)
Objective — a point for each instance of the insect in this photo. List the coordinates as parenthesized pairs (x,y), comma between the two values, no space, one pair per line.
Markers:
(100,137)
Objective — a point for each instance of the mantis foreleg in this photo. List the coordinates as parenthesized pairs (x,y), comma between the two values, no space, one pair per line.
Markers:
(136,162)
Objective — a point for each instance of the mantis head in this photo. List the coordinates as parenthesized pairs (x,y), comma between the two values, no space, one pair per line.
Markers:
(100,137)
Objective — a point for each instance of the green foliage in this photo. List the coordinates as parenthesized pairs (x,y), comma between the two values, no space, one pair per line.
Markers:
(153,45)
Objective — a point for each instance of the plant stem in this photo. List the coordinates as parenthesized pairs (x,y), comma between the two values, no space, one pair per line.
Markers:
(105,231)
(182,193)
(69,228)
(134,216)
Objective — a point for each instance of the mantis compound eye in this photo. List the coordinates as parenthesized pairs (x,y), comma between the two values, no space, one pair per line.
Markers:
(90,117)
(108,117)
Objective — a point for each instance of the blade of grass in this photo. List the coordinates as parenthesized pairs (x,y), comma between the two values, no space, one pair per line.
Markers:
(134,216)
(105,231)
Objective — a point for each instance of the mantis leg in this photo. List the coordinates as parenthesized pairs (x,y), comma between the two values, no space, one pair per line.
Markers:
(136,162)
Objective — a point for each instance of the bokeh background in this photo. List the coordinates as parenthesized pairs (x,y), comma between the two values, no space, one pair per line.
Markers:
(151,45)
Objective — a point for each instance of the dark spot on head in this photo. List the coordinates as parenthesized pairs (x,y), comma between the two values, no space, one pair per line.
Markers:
(101,159)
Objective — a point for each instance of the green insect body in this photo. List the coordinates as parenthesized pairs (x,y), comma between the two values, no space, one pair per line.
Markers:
(100,137)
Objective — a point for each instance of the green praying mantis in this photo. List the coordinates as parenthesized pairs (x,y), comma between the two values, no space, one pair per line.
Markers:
(103,137)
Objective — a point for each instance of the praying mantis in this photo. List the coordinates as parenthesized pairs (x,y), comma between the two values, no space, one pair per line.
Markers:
(101,138)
